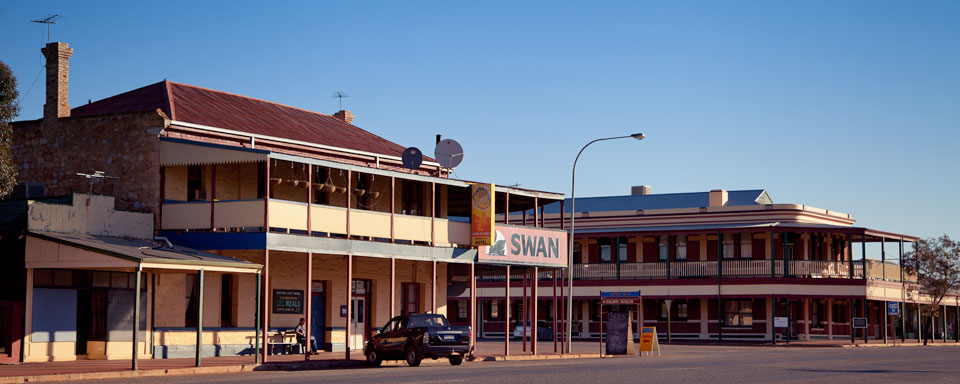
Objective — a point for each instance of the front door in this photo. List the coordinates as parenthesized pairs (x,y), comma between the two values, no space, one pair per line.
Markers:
(358,321)
(317,311)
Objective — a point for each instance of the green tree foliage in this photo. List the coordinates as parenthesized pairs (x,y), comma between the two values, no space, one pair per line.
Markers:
(936,263)
(8,111)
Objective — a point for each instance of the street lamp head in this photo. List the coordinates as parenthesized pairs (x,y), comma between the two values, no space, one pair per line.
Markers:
(638,136)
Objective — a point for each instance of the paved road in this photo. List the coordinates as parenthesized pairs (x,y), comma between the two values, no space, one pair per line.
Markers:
(682,364)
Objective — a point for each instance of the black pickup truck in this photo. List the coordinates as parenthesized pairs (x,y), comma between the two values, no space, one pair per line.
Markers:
(415,337)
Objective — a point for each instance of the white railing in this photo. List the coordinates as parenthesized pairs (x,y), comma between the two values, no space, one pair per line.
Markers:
(643,271)
(595,271)
(747,268)
(820,269)
(693,269)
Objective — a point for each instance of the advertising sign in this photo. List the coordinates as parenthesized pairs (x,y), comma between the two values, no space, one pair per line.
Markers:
(288,301)
(893,309)
(482,201)
(620,297)
(779,322)
(648,339)
(525,245)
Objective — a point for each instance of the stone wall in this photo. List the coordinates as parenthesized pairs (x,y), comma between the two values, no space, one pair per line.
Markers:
(121,145)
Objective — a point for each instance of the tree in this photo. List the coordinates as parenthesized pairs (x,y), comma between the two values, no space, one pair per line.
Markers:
(936,264)
(9,109)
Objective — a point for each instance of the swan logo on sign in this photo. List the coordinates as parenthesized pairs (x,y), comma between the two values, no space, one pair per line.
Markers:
(526,246)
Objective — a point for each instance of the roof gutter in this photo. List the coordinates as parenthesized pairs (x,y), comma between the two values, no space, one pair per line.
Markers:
(376,156)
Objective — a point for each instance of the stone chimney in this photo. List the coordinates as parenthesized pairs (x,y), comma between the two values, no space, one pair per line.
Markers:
(58,79)
(344,115)
(718,198)
(640,190)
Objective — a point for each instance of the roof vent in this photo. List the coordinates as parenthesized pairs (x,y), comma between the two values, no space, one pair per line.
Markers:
(640,190)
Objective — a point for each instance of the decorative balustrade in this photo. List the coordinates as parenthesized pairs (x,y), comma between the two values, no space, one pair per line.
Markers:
(748,268)
(693,269)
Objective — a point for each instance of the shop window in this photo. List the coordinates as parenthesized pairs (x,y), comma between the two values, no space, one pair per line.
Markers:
(494,310)
(595,308)
(463,310)
(681,310)
(577,310)
(681,247)
(192,294)
(840,312)
(410,298)
(738,313)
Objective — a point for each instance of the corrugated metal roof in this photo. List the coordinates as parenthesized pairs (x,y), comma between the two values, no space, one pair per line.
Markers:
(142,250)
(203,106)
(657,201)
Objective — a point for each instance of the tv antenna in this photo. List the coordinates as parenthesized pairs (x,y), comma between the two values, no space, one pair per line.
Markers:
(96,177)
(49,20)
(340,95)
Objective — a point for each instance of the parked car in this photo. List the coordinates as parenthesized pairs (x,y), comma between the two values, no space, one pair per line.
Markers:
(415,337)
(544,330)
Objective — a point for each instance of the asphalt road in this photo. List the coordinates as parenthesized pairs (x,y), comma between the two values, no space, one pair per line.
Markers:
(681,364)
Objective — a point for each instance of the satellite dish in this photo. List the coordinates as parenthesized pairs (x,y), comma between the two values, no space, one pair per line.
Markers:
(448,153)
(412,158)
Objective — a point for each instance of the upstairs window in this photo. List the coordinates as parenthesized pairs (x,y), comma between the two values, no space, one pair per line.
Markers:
(664,249)
(728,248)
(622,244)
(746,246)
(195,191)
(605,251)
(681,247)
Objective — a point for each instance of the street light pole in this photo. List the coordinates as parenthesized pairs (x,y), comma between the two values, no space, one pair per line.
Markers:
(573,211)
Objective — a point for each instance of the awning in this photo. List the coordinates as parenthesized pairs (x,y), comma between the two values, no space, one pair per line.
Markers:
(83,251)
(178,152)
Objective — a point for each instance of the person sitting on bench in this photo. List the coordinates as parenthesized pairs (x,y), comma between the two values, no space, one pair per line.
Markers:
(302,335)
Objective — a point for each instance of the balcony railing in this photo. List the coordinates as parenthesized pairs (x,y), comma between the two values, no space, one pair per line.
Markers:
(708,269)
(291,215)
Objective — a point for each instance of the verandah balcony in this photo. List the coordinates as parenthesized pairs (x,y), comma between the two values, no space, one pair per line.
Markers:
(708,269)
(291,217)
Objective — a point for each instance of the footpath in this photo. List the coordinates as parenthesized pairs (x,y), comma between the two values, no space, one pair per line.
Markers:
(487,351)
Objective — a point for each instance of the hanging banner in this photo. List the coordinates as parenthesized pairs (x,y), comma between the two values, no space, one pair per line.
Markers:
(526,245)
(482,214)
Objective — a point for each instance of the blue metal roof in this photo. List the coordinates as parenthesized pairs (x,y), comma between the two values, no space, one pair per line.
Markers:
(659,201)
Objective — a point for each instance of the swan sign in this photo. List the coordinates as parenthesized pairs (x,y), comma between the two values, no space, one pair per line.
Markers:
(525,245)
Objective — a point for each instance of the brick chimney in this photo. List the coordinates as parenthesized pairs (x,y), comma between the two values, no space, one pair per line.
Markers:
(718,197)
(640,190)
(58,78)
(344,115)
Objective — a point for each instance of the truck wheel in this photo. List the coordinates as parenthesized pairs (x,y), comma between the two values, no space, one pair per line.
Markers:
(413,358)
(456,359)
(373,358)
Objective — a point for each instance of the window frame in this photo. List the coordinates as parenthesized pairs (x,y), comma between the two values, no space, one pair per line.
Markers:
(743,309)
(405,302)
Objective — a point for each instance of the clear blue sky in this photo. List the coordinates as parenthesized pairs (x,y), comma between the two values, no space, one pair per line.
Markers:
(851,106)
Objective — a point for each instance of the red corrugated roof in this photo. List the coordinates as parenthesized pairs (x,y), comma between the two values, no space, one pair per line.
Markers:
(197,105)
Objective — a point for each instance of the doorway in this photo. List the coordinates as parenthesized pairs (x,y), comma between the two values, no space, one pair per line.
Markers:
(91,318)
(359,314)
(318,302)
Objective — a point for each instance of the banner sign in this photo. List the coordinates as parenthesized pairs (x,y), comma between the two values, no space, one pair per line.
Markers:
(526,245)
(620,297)
(482,202)
(893,309)
(288,301)
(648,339)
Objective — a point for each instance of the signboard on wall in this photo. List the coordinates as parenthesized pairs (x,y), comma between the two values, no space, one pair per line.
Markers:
(526,245)
(859,322)
(780,322)
(482,202)
(289,301)
(620,297)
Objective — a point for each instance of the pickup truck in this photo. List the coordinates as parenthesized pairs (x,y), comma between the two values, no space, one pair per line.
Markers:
(415,337)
